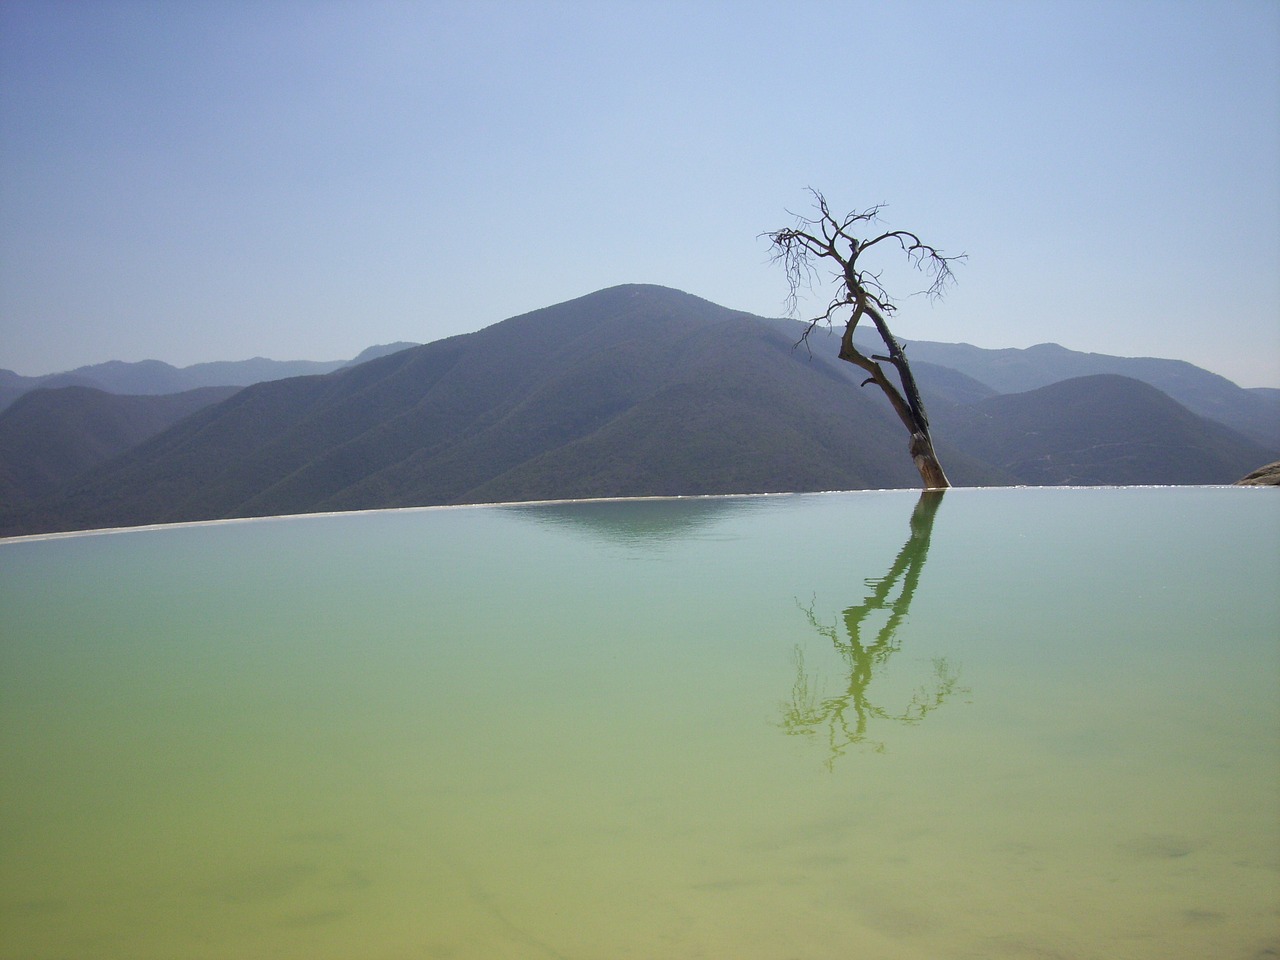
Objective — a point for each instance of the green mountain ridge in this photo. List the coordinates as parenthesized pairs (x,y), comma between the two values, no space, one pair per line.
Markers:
(1255,412)
(1107,429)
(155,377)
(632,391)
(50,436)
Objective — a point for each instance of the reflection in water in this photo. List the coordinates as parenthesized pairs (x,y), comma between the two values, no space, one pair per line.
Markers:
(637,521)
(847,716)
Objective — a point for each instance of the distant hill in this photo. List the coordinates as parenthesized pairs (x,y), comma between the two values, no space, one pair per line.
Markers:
(14,385)
(153,377)
(1254,412)
(1101,429)
(632,391)
(50,436)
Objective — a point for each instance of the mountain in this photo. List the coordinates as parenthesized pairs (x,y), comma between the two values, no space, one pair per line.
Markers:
(635,390)
(1254,413)
(14,385)
(631,391)
(153,377)
(1100,429)
(382,350)
(48,437)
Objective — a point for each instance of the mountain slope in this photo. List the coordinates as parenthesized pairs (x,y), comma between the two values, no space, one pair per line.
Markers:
(633,390)
(1102,429)
(47,437)
(1254,413)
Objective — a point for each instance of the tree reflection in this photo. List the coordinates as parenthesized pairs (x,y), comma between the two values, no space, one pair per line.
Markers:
(846,718)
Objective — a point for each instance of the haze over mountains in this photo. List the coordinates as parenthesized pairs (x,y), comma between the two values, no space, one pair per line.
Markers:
(153,377)
(1254,412)
(632,391)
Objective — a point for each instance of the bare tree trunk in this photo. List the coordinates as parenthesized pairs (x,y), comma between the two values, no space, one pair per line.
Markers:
(926,462)
(917,423)
(907,403)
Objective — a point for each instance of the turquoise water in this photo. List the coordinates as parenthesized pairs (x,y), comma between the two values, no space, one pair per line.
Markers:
(1003,723)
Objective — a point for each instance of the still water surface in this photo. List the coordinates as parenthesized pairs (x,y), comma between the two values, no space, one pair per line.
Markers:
(1003,723)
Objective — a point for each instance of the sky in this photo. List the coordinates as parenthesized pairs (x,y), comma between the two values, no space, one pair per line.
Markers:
(224,179)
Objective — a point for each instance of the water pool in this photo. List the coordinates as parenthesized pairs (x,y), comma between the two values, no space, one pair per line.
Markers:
(998,723)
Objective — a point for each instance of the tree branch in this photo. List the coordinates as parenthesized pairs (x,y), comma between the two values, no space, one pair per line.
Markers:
(859,289)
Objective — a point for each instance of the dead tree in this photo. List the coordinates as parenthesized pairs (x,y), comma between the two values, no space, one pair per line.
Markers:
(800,250)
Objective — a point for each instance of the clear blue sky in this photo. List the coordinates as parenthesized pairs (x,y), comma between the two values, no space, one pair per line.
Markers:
(218,180)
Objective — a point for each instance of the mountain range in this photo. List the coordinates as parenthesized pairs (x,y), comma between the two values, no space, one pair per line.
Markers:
(1253,412)
(636,390)
(154,377)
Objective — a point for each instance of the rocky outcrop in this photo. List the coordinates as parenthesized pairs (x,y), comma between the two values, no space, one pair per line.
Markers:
(1268,476)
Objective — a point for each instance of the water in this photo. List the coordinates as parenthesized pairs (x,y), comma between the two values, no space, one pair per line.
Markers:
(1006,723)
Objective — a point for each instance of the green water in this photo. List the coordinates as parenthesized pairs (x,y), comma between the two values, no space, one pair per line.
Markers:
(1009,723)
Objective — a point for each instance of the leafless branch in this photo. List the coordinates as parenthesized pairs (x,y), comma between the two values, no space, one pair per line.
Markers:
(824,237)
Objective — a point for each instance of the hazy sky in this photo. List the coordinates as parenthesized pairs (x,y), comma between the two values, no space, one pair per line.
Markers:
(219,180)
